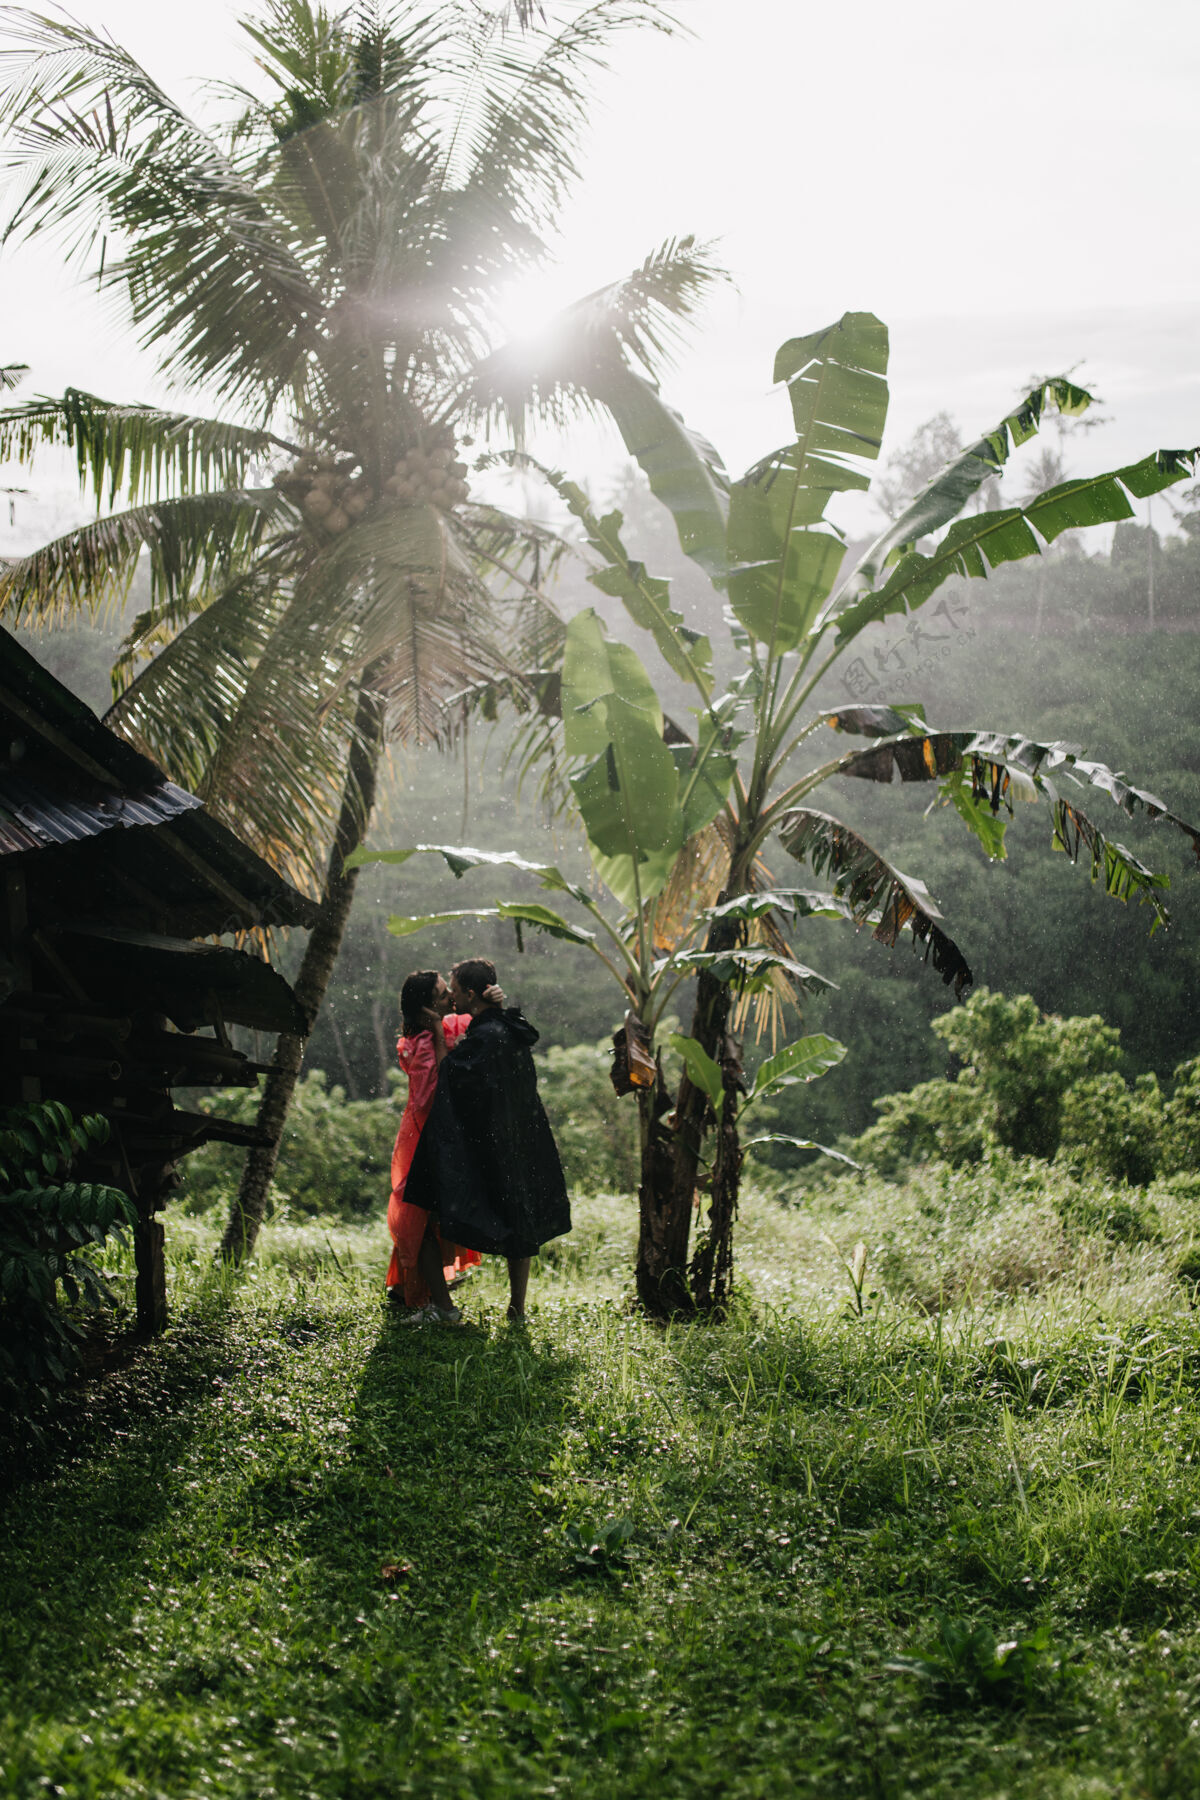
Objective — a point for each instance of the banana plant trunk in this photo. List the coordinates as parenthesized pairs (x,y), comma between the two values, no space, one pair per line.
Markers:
(671,1169)
(248,1210)
(661,1273)
(712,1264)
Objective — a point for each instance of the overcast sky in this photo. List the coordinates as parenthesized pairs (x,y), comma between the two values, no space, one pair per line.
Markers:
(1012,187)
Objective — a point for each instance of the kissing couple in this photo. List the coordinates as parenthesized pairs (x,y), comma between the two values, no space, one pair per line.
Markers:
(475,1169)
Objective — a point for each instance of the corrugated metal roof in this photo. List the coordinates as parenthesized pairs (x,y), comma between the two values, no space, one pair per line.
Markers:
(37,811)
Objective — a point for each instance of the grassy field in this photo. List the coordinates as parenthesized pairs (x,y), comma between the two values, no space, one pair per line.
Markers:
(948,1546)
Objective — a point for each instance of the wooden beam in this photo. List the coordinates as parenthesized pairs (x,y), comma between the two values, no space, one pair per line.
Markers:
(185,853)
(59,739)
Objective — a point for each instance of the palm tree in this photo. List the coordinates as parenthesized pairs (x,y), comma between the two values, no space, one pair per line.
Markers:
(325,267)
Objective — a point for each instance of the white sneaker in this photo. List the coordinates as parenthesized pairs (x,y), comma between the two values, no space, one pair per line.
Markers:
(433,1315)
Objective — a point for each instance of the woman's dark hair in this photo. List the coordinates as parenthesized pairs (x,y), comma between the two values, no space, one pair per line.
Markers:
(416,994)
(475,974)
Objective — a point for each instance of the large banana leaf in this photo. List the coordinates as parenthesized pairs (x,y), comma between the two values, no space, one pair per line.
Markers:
(976,545)
(520,912)
(981,771)
(805,1060)
(628,796)
(683,469)
(461,858)
(752,965)
(640,799)
(785,556)
(943,498)
(875,892)
(645,597)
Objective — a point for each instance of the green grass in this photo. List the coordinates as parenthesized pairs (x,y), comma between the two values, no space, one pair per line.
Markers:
(812,1528)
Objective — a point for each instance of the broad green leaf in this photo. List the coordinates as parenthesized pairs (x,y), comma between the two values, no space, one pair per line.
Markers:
(805,1060)
(782,1137)
(460,858)
(892,577)
(684,471)
(542,918)
(705,776)
(703,1072)
(597,668)
(617,874)
(976,814)
(805,903)
(628,796)
(836,381)
(408,924)
(944,498)
(1100,499)
(785,558)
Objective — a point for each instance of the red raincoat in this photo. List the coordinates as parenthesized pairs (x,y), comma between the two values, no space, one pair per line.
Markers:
(407,1223)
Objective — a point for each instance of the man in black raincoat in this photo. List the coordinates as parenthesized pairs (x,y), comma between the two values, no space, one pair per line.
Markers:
(487,1166)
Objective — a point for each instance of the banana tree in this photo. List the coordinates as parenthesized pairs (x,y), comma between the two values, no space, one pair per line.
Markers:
(678,822)
(328,267)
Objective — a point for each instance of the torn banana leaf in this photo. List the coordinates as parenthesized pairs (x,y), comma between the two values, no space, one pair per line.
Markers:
(753,966)
(875,892)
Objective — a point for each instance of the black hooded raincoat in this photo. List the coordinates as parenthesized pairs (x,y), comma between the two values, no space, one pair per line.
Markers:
(487,1165)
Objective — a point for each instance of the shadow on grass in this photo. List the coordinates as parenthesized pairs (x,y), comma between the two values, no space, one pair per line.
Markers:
(92,1472)
(452,1434)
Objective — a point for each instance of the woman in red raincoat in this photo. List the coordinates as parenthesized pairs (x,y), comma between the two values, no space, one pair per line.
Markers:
(428,1029)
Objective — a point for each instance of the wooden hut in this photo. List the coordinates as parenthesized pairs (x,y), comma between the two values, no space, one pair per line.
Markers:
(110,875)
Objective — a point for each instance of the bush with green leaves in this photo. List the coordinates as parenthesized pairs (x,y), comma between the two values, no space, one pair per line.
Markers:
(1181,1121)
(597,1137)
(1034,1084)
(335,1156)
(47,1224)
(1110,1128)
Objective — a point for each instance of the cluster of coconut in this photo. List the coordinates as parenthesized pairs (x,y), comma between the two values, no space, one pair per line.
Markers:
(331,494)
(430,472)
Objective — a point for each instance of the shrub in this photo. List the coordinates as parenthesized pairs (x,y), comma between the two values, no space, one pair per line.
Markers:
(938,1121)
(335,1156)
(597,1136)
(1181,1121)
(1110,1129)
(1024,1062)
(47,1223)
(1035,1085)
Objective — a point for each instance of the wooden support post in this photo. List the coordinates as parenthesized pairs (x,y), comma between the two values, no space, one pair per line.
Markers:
(148,1246)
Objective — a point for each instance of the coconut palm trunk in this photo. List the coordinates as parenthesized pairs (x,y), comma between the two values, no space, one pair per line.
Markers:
(249,1209)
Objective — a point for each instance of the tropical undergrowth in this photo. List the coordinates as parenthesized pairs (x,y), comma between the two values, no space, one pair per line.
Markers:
(933,1533)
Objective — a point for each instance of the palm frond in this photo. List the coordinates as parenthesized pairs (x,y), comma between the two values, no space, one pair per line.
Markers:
(102,148)
(190,543)
(140,452)
(232,710)
(516,100)
(636,319)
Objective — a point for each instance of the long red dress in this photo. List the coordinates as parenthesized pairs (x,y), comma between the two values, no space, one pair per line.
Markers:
(406,1223)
